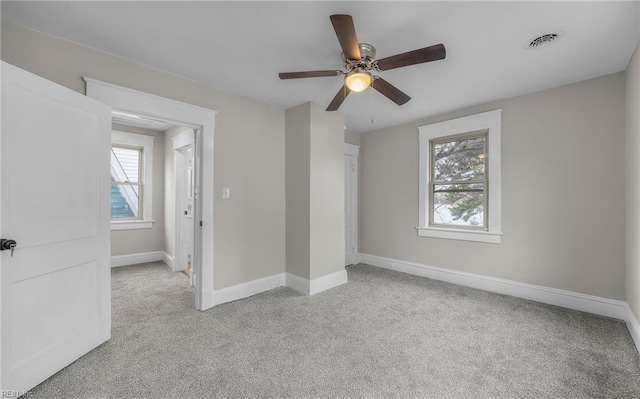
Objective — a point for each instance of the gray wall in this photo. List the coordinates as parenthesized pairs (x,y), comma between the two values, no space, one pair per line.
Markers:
(562,192)
(125,242)
(633,183)
(315,191)
(298,170)
(249,237)
(327,192)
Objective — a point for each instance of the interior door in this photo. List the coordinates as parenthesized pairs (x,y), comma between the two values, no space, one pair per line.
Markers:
(184,166)
(54,174)
(189,209)
(348,209)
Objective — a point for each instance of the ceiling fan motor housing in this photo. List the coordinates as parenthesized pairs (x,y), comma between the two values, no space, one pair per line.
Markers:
(366,61)
(367,51)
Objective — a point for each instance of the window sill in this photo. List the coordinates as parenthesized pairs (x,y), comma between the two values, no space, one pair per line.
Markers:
(456,234)
(131,225)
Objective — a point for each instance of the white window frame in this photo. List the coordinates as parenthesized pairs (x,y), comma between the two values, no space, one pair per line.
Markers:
(490,121)
(146,143)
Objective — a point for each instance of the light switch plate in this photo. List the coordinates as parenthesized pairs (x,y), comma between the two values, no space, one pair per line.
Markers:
(226,193)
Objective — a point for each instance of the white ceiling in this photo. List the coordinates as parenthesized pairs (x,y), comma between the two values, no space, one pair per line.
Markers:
(240,47)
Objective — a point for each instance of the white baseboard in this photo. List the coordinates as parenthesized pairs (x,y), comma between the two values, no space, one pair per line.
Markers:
(311,287)
(552,296)
(134,259)
(247,289)
(168,260)
(298,283)
(632,325)
(327,282)
(208,300)
(302,285)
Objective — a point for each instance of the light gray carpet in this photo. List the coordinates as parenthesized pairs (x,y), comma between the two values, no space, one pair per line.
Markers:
(382,335)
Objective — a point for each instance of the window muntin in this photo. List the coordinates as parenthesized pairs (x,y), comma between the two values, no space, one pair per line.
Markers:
(458,181)
(126,182)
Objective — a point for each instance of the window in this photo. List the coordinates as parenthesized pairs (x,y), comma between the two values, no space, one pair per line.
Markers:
(458,182)
(126,180)
(460,179)
(131,180)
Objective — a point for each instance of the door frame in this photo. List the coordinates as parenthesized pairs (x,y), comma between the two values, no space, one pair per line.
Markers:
(353,151)
(202,120)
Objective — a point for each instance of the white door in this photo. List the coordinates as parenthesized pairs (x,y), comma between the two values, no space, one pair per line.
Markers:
(185,190)
(54,202)
(189,209)
(350,205)
(347,210)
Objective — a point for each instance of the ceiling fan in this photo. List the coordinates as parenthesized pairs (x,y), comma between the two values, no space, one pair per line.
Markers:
(360,61)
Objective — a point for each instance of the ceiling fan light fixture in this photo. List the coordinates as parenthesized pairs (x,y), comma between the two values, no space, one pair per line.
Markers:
(358,80)
(359,61)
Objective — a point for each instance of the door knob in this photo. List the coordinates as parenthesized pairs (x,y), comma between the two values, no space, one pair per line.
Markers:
(8,245)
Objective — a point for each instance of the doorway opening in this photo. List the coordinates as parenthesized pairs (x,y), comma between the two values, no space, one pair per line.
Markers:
(152,192)
(177,119)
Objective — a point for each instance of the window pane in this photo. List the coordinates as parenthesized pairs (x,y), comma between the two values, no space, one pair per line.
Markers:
(458,208)
(124,201)
(459,160)
(455,187)
(125,164)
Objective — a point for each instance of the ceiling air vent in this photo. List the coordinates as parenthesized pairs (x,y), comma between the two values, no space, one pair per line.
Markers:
(544,40)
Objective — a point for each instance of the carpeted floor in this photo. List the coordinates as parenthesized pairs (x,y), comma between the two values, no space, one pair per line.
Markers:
(382,335)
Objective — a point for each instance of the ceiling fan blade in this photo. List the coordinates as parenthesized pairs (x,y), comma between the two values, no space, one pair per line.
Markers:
(346,32)
(431,53)
(308,74)
(390,91)
(339,98)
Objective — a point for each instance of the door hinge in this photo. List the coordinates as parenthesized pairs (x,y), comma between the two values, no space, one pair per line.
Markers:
(201,223)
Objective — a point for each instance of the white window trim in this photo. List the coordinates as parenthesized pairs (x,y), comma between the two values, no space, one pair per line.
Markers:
(491,120)
(146,142)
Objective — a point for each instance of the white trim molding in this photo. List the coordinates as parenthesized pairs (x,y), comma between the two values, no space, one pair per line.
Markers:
(298,283)
(552,296)
(632,325)
(183,139)
(129,100)
(134,259)
(247,289)
(254,287)
(202,120)
(169,260)
(207,298)
(351,149)
(491,121)
(327,282)
(131,224)
(317,285)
